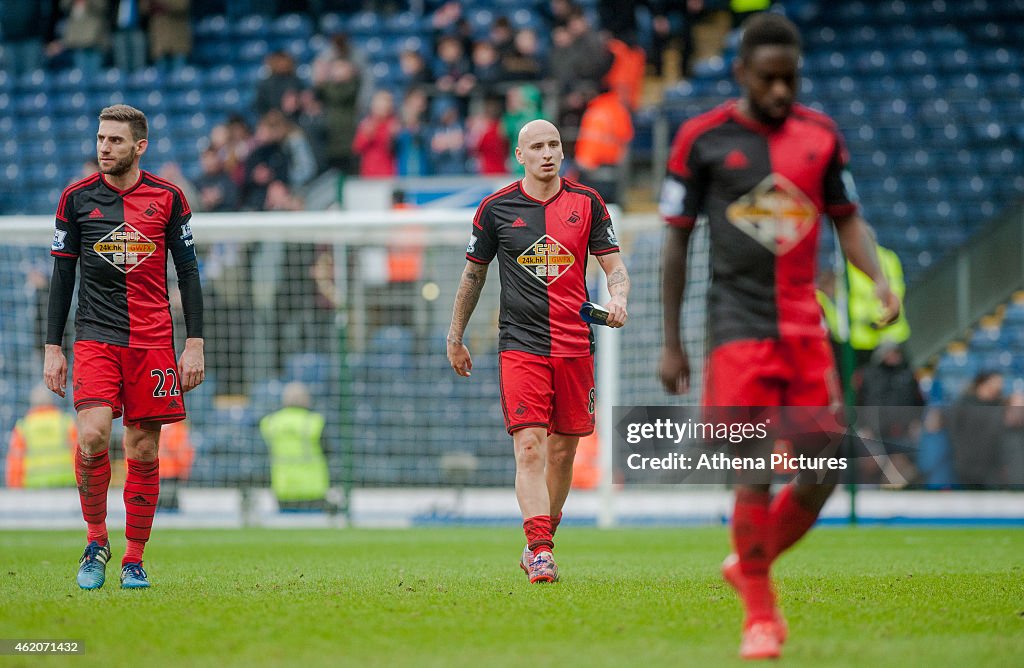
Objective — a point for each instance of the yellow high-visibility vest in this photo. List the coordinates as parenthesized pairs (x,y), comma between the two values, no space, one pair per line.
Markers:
(298,468)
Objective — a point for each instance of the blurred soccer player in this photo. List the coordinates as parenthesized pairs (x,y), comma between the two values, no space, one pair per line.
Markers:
(121,223)
(763,169)
(541,229)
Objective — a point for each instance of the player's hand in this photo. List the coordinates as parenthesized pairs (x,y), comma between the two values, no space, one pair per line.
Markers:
(675,370)
(459,358)
(890,305)
(55,369)
(617,315)
(192,364)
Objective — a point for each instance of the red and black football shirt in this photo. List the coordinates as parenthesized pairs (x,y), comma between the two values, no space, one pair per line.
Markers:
(542,250)
(122,238)
(763,190)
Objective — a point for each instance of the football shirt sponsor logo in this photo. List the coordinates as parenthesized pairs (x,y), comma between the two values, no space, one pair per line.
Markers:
(776,214)
(125,247)
(546,259)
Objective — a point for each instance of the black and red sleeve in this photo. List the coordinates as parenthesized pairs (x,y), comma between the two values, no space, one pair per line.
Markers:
(179,240)
(683,191)
(64,248)
(838,187)
(483,244)
(602,233)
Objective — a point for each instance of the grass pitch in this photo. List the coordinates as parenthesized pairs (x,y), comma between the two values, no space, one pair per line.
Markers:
(456,597)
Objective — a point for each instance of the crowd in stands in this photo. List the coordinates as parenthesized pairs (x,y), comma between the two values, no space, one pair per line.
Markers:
(453,104)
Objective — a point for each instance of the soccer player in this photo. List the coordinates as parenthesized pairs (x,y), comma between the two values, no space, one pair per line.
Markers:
(763,169)
(541,229)
(121,223)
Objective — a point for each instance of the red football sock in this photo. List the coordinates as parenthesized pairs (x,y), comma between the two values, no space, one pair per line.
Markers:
(141,490)
(92,473)
(751,534)
(789,521)
(538,533)
(555,521)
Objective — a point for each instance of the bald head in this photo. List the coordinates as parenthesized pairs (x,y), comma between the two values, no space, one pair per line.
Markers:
(534,129)
(540,152)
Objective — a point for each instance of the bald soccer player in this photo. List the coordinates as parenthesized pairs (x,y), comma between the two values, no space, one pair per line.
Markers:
(541,229)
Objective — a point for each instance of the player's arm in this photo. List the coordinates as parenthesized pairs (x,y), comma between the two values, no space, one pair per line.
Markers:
(64,249)
(470,286)
(62,290)
(858,243)
(618,287)
(192,363)
(675,365)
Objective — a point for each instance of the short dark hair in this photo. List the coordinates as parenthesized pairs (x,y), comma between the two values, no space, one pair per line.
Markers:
(768,29)
(135,119)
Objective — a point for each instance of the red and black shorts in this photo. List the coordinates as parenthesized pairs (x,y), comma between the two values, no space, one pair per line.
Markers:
(772,372)
(556,393)
(142,384)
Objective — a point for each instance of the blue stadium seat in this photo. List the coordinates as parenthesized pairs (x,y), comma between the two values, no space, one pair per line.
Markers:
(402,23)
(364,23)
(249,27)
(292,26)
(212,28)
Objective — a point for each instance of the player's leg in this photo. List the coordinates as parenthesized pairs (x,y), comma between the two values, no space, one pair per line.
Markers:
(748,373)
(96,383)
(526,387)
(141,493)
(816,397)
(92,473)
(572,416)
(152,397)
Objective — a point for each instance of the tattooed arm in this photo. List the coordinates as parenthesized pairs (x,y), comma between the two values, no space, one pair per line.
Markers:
(618,288)
(470,287)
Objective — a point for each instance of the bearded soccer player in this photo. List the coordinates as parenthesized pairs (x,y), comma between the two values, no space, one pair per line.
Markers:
(541,229)
(763,169)
(120,224)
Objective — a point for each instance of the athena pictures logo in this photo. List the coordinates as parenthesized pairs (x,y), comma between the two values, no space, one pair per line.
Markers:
(776,214)
(124,247)
(546,260)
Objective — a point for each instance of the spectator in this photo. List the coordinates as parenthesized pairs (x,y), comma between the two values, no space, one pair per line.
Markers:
(268,161)
(170,32)
(502,35)
(129,37)
(217,192)
(588,52)
(523,62)
(176,457)
(452,72)
(85,34)
(171,171)
(340,48)
(487,68)
(413,69)
(27,27)
(522,105)
(375,137)
(298,467)
(42,446)
(889,414)
(488,145)
(448,139)
(281,198)
(606,130)
(557,12)
(279,81)
(336,82)
(412,144)
(305,110)
(234,142)
(976,431)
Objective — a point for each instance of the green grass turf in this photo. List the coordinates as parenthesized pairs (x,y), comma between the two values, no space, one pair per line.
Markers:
(455,597)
